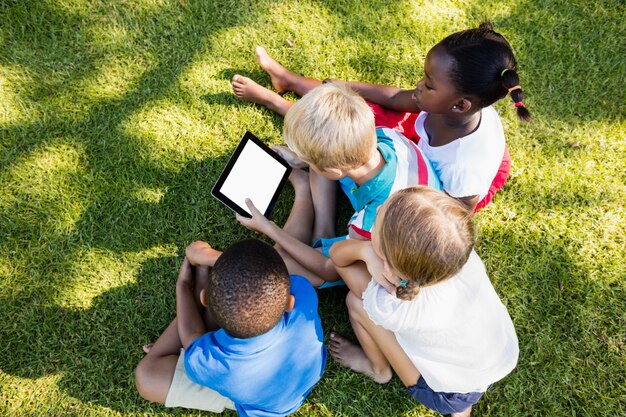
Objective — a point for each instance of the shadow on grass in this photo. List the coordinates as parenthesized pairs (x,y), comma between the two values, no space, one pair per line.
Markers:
(89,345)
(96,348)
(567,50)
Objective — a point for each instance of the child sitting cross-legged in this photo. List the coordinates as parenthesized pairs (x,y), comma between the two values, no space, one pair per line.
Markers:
(331,130)
(422,305)
(246,336)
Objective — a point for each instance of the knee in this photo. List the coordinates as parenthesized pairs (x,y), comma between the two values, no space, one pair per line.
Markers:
(143,379)
(354,304)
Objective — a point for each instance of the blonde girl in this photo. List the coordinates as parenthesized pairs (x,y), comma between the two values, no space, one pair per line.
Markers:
(422,306)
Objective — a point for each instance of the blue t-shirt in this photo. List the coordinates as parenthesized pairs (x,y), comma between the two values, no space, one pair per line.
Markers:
(270,374)
(405,166)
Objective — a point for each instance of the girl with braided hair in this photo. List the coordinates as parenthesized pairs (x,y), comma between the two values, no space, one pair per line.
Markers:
(421,304)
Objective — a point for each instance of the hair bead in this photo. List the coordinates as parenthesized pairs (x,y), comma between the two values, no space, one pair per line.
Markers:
(519,104)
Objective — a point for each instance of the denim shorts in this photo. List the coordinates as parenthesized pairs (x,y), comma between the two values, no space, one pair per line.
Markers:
(443,402)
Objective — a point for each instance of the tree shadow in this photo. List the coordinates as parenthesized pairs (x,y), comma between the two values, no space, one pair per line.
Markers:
(575,43)
(89,346)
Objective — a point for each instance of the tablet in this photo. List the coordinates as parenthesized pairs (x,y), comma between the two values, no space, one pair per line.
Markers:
(254,171)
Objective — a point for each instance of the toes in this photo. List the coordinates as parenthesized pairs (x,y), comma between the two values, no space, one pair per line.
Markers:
(236,78)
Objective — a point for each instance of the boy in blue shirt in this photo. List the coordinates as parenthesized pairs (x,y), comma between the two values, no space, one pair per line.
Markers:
(264,350)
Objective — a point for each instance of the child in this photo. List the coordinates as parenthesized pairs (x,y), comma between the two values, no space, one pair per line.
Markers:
(264,350)
(331,129)
(430,313)
(460,132)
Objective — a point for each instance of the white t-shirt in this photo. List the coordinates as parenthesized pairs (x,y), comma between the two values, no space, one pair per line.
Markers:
(468,165)
(457,333)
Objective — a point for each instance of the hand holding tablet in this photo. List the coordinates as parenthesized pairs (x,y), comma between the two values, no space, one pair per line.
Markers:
(254,171)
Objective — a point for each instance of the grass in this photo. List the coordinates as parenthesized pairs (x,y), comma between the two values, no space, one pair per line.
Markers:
(116,118)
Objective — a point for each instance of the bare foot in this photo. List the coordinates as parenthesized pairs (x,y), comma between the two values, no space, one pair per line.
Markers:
(352,356)
(147,348)
(290,156)
(277,72)
(248,90)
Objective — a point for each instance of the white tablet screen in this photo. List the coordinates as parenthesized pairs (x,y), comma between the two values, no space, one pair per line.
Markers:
(255,175)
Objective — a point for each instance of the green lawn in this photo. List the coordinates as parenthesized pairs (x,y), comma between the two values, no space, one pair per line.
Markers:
(116,118)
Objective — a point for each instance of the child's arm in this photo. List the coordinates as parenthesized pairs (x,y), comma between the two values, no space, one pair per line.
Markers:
(189,322)
(347,252)
(201,253)
(302,253)
(390,97)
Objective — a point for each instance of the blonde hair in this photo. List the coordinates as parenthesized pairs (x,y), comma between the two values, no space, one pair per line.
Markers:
(426,235)
(331,127)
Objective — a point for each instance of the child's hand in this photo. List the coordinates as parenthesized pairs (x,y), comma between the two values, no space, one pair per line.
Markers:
(258,222)
(201,253)
(185,275)
(290,156)
(380,270)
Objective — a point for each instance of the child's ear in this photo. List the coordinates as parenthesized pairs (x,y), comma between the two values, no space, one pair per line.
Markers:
(335,173)
(290,303)
(462,105)
(204,298)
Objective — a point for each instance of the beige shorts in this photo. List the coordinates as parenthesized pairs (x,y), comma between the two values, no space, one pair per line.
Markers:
(187,394)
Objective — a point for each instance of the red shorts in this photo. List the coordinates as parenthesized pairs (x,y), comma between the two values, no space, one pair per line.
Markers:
(405,124)
(402,122)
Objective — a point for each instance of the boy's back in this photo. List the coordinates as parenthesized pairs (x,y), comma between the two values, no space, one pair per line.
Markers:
(269,374)
(405,166)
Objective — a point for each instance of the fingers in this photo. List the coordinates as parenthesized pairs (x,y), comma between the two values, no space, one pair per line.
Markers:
(185,269)
(253,210)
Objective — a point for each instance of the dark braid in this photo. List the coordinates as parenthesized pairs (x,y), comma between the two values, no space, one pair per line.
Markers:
(510,80)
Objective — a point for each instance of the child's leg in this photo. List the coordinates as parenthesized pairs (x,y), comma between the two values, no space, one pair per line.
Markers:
(248,90)
(299,224)
(465,413)
(155,372)
(324,195)
(379,348)
(284,80)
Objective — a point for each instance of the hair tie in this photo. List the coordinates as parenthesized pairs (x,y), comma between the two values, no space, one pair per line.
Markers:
(519,104)
(517,87)
(403,283)
(503,71)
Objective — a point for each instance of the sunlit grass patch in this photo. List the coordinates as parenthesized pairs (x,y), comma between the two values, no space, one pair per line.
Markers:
(96,271)
(14,109)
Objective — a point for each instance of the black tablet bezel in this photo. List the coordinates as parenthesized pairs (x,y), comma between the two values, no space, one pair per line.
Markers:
(248,136)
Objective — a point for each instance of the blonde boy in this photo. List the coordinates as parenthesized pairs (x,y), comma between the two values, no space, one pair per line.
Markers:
(331,130)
